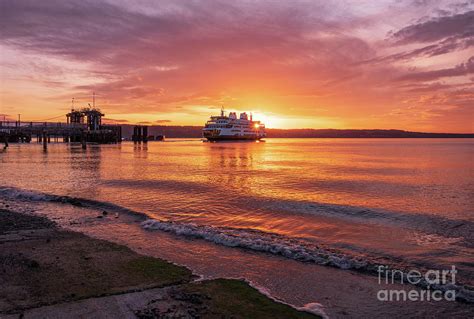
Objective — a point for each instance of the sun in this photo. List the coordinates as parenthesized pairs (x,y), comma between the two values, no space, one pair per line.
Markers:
(270,121)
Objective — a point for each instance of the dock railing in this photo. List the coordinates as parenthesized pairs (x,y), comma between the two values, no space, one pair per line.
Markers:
(16,124)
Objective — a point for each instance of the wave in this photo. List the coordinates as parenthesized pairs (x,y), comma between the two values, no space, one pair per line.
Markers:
(292,248)
(257,241)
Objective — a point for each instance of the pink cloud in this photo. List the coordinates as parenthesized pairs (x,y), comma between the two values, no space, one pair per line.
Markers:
(178,56)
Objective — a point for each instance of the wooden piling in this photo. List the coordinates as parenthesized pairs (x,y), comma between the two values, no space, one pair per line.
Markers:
(83,141)
(45,141)
(145,134)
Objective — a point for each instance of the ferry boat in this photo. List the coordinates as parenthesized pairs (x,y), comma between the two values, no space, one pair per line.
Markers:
(230,127)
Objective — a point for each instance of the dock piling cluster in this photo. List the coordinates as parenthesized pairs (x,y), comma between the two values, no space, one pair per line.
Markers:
(140,134)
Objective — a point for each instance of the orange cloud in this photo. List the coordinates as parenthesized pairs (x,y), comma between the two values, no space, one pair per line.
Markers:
(297,63)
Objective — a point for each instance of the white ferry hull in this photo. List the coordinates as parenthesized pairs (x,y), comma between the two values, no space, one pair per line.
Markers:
(233,138)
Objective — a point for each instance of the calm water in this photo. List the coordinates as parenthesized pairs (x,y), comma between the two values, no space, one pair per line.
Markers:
(348,203)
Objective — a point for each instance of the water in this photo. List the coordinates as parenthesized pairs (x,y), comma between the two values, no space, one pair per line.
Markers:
(347,203)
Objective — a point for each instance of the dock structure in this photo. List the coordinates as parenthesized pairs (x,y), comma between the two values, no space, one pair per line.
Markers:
(140,133)
(82,126)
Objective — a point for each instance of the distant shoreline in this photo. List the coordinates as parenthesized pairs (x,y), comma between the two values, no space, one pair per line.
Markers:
(196,132)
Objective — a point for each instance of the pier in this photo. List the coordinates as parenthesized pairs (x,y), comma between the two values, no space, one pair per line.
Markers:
(82,126)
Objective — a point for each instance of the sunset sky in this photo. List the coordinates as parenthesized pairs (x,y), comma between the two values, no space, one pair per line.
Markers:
(404,64)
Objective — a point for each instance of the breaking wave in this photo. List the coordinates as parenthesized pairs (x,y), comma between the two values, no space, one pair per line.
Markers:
(259,241)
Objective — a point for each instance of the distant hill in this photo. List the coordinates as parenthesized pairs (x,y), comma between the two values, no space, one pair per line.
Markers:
(167,130)
(195,132)
(333,133)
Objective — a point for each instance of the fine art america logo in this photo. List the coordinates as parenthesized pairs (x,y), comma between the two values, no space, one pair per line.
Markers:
(431,281)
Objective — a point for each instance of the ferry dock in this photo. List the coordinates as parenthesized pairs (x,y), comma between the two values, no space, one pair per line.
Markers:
(81,126)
